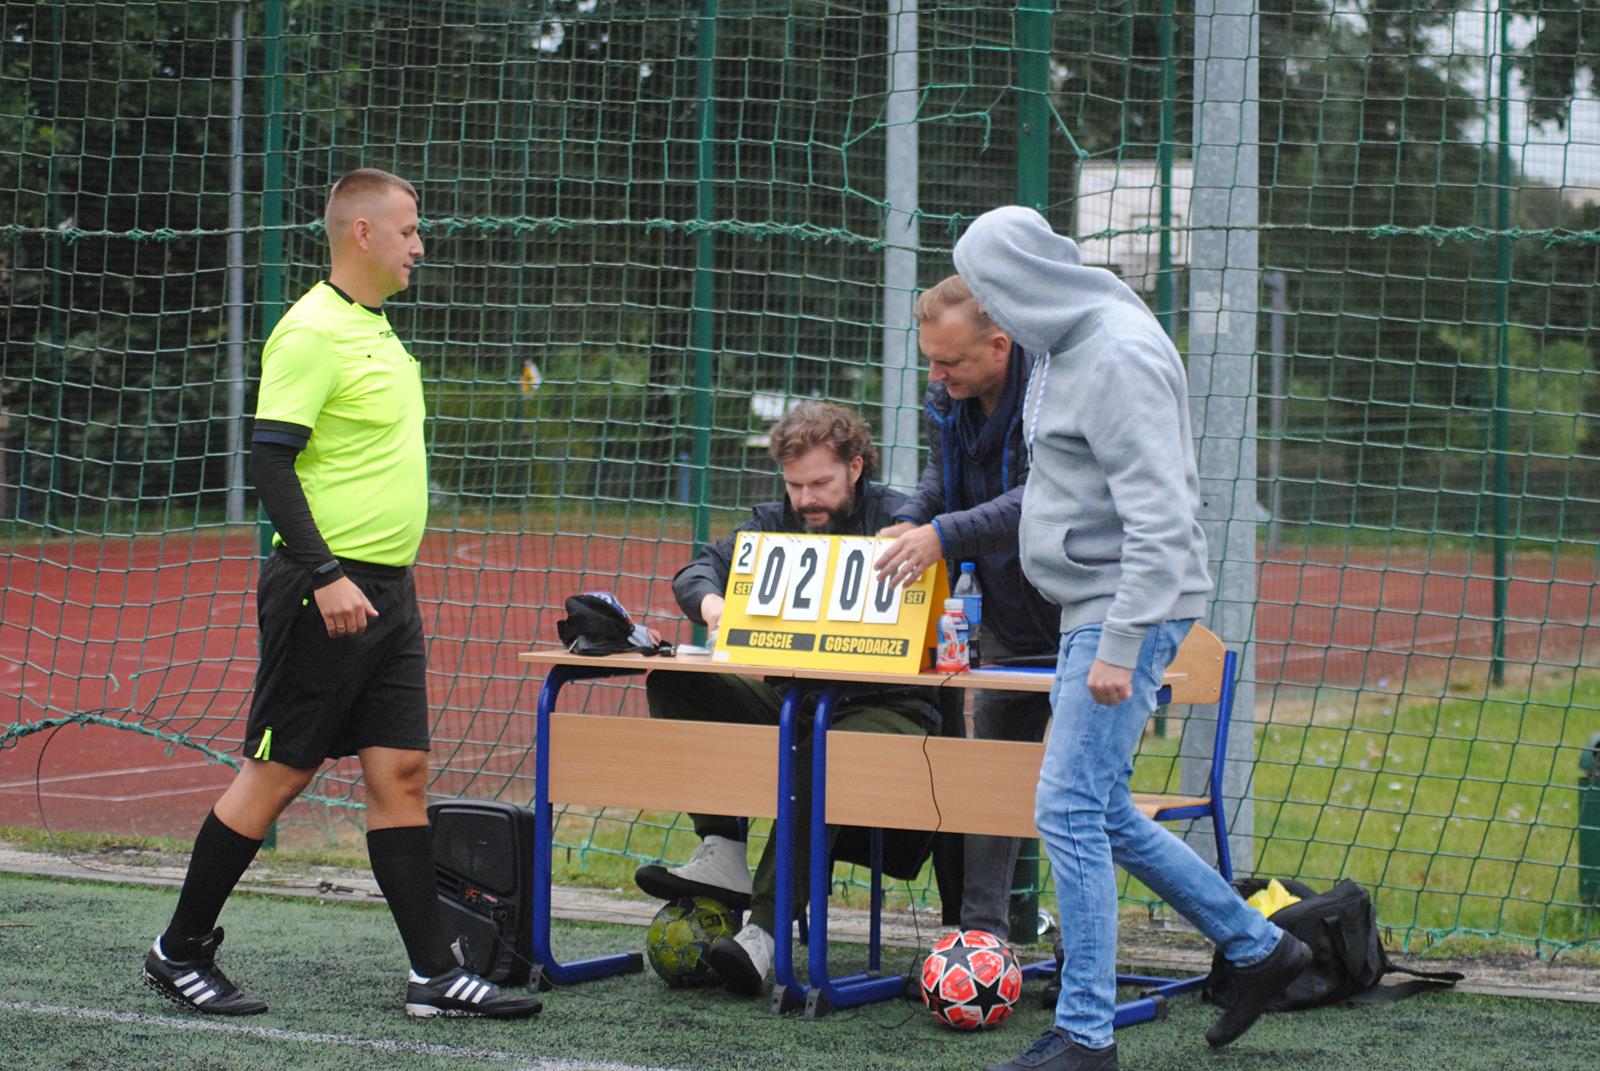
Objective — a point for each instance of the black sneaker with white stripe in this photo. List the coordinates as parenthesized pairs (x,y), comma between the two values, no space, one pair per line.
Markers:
(460,993)
(194,982)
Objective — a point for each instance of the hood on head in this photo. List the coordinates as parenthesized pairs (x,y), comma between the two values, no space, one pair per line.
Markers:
(1031,280)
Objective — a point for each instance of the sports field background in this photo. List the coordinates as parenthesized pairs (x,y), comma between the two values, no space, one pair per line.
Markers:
(651,226)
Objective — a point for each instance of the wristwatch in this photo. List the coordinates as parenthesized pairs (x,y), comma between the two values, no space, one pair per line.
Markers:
(327,573)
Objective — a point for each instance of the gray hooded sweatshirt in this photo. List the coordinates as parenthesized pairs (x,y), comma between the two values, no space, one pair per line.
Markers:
(1108,528)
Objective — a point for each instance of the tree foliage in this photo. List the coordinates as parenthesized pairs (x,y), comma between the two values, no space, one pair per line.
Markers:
(1565,50)
(116,257)
(558,149)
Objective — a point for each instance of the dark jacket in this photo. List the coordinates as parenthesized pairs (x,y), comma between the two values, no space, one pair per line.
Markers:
(972,489)
(874,508)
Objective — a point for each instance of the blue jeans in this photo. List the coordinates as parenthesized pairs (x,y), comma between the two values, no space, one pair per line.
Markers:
(1087,819)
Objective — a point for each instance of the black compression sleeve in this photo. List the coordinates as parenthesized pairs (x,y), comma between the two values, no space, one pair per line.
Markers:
(272,466)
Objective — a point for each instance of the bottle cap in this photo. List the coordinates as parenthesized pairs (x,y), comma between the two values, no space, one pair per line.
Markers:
(954,606)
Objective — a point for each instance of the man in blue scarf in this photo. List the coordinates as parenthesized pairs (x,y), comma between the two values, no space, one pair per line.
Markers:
(966,508)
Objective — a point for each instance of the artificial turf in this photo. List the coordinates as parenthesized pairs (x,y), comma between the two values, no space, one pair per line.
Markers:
(70,997)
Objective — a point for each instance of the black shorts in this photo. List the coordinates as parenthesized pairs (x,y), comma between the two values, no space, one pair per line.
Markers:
(319,698)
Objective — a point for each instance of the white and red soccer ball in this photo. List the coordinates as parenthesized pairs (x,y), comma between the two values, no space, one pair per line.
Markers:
(970,980)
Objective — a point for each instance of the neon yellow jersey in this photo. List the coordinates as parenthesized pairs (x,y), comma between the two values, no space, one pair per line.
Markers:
(337,368)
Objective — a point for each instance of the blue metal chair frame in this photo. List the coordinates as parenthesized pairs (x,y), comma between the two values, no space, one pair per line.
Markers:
(825,992)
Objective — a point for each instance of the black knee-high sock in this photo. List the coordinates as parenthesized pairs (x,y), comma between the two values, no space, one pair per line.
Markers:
(402,861)
(220,859)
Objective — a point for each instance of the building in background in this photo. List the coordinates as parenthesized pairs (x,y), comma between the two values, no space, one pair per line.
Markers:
(1124,197)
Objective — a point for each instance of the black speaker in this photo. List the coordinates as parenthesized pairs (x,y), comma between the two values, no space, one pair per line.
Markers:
(483,854)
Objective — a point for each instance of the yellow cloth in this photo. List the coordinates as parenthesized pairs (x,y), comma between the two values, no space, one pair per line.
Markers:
(1272,899)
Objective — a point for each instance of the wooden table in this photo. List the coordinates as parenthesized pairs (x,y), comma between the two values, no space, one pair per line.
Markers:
(757,760)
(887,779)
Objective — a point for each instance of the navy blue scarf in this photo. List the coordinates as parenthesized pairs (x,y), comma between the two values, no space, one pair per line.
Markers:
(979,436)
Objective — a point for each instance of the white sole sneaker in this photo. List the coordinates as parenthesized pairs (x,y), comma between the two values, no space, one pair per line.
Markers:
(717,870)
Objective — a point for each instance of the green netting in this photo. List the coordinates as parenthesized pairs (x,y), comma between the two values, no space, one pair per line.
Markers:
(649,224)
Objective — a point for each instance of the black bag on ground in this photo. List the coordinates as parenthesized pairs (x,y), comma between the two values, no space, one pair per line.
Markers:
(1348,961)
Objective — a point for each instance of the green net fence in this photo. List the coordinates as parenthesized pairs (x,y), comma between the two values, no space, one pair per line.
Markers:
(651,224)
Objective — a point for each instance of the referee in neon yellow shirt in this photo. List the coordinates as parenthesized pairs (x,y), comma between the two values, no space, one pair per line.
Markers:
(338,460)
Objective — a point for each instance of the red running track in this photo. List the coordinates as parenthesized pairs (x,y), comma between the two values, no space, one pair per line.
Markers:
(1406,620)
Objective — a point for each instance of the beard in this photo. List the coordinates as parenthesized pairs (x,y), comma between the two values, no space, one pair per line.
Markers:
(831,525)
(834,522)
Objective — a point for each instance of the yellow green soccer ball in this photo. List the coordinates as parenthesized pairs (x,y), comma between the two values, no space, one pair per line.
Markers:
(680,936)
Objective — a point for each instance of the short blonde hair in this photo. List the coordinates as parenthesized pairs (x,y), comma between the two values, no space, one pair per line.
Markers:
(359,184)
(949,293)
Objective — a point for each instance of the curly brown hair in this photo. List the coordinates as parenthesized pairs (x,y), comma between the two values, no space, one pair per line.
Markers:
(813,424)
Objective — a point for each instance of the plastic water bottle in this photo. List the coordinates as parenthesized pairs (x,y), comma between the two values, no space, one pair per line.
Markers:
(951,656)
(970,593)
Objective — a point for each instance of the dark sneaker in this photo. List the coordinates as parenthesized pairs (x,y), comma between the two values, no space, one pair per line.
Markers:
(1055,1051)
(743,961)
(717,869)
(194,982)
(462,994)
(1257,986)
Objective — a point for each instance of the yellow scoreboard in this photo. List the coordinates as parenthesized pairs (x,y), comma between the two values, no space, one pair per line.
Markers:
(815,602)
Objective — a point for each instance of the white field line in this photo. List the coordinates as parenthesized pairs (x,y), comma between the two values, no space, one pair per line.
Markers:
(1314,652)
(124,771)
(95,797)
(520,1061)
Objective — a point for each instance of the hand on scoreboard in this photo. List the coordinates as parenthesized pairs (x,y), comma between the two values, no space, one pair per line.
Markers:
(711,611)
(910,555)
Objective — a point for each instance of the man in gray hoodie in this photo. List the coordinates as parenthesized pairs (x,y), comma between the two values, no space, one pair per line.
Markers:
(1109,534)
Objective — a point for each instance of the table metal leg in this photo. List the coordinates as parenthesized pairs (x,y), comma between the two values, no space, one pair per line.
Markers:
(787,993)
(546,966)
(828,993)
